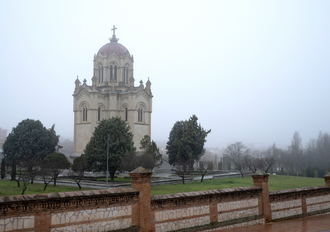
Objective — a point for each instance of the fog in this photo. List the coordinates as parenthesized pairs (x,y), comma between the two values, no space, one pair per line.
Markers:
(252,71)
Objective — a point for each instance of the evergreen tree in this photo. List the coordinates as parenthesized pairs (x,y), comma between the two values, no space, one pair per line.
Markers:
(112,137)
(186,144)
(27,144)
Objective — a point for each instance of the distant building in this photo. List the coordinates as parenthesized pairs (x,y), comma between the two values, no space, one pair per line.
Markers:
(112,94)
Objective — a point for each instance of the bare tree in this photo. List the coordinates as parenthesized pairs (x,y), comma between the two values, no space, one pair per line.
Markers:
(237,152)
(295,159)
(78,169)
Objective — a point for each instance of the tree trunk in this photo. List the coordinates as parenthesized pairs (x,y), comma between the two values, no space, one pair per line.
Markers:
(55,178)
(242,174)
(18,183)
(112,175)
(79,186)
(31,174)
(24,188)
(13,170)
(3,169)
(45,186)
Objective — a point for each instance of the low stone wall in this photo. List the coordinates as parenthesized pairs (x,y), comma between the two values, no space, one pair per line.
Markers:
(134,209)
(96,210)
(195,211)
(299,202)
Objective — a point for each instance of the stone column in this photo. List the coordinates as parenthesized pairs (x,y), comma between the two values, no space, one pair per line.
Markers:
(327,180)
(141,182)
(262,181)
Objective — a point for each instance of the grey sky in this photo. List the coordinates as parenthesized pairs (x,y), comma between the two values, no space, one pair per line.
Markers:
(252,71)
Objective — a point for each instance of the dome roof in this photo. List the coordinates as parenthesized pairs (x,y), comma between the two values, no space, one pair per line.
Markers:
(113,49)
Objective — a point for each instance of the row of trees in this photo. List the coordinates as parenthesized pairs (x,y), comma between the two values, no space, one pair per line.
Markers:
(312,160)
(32,149)
(246,160)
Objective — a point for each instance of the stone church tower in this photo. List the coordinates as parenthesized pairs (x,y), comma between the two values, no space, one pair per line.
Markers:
(112,94)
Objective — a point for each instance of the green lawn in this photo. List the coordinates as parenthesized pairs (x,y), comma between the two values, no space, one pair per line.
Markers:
(10,188)
(275,183)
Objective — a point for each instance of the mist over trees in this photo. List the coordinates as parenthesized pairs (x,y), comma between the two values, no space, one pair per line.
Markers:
(313,160)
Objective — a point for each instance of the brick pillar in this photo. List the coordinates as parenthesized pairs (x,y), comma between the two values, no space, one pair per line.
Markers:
(327,180)
(213,211)
(141,182)
(42,222)
(262,181)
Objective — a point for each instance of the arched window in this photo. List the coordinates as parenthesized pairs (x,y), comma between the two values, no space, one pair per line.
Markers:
(115,73)
(84,114)
(100,72)
(99,114)
(126,75)
(111,73)
(126,114)
(140,115)
(102,69)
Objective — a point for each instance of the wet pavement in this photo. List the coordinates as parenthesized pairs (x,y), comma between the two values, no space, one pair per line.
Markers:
(319,223)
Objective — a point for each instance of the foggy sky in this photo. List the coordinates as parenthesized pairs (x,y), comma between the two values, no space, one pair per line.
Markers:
(252,71)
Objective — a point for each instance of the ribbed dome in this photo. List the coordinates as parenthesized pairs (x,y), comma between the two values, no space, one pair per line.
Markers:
(113,49)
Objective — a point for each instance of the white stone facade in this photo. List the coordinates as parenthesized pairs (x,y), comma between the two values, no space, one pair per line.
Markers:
(112,94)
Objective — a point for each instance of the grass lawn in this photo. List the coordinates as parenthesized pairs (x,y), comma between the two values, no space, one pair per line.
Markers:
(275,183)
(10,188)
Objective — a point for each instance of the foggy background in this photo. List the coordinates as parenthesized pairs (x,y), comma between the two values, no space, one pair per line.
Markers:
(252,71)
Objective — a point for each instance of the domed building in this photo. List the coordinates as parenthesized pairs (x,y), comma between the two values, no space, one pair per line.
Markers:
(112,94)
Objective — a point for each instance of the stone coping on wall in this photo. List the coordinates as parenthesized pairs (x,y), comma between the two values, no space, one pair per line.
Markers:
(298,192)
(202,196)
(73,194)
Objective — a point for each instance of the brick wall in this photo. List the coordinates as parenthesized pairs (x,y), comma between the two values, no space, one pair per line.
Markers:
(207,209)
(299,202)
(96,210)
(134,209)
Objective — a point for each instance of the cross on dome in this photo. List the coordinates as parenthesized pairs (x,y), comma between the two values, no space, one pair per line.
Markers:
(114,39)
(114,28)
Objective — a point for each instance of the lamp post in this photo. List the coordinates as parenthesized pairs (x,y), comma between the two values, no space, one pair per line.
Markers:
(108,140)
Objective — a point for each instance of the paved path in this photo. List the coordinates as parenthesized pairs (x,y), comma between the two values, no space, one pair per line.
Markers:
(308,224)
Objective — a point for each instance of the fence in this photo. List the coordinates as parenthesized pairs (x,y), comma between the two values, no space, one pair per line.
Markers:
(134,209)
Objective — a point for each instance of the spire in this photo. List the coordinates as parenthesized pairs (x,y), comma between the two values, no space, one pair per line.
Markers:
(114,38)
(148,82)
(77,82)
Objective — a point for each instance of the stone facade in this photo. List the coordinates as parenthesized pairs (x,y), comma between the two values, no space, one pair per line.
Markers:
(112,94)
